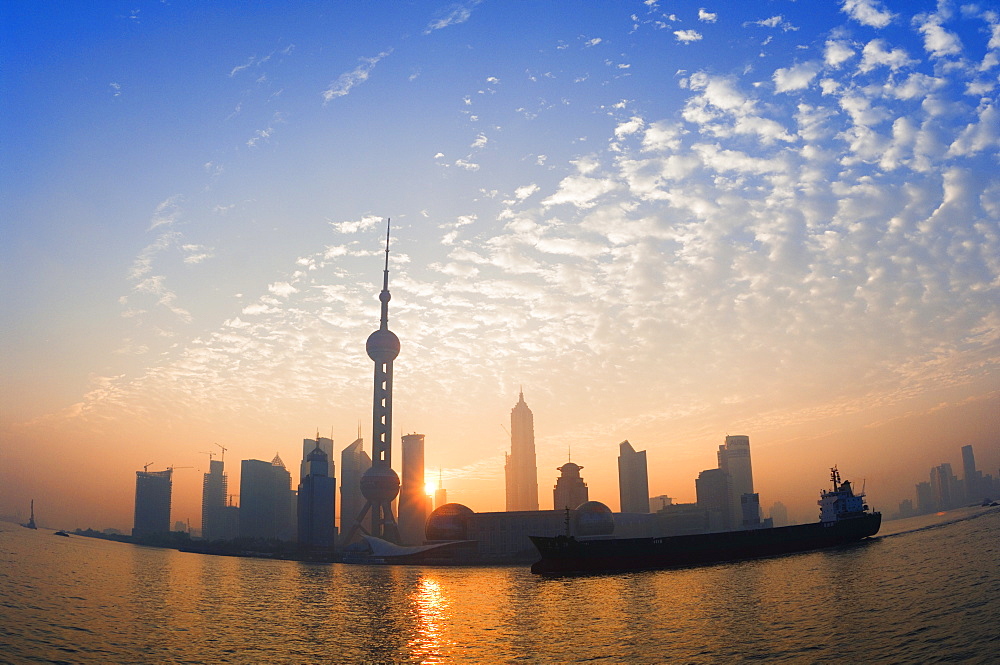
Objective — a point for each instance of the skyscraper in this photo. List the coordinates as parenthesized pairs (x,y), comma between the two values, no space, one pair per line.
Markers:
(380,484)
(520,470)
(413,492)
(570,490)
(326,445)
(213,502)
(734,459)
(633,480)
(354,461)
(944,485)
(317,502)
(713,490)
(440,494)
(973,478)
(267,502)
(152,503)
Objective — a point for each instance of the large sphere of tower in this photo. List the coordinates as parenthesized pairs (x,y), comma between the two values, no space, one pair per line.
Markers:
(379,484)
(382,346)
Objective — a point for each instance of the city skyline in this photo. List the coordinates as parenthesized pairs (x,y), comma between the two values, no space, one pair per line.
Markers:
(670,222)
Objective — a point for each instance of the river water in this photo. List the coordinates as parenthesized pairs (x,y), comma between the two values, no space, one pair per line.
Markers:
(926,590)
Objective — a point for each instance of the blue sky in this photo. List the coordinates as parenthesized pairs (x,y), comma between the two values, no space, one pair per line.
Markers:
(665,220)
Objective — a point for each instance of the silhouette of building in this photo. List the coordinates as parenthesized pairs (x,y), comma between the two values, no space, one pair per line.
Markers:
(326,445)
(713,489)
(354,461)
(972,478)
(570,491)
(413,491)
(440,494)
(267,502)
(945,487)
(520,470)
(317,502)
(779,514)
(734,459)
(380,484)
(214,489)
(152,503)
(750,511)
(633,480)
(925,498)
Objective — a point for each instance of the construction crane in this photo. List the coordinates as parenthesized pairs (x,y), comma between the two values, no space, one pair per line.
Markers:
(145,467)
(209,453)
(171,468)
(223,458)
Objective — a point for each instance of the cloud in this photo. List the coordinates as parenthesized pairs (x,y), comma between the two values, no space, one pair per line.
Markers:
(707,17)
(875,54)
(687,36)
(454,15)
(937,41)
(867,12)
(346,81)
(796,77)
(837,52)
(166,213)
(354,226)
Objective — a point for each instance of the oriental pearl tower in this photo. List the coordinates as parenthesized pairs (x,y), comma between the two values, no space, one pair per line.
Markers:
(380,484)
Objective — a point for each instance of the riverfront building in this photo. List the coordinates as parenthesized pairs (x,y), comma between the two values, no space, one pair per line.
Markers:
(267,502)
(354,461)
(412,493)
(633,479)
(570,490)
(520,470)
(317,502)
(152,503)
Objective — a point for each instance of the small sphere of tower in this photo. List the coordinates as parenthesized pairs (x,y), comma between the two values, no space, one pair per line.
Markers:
(382,346)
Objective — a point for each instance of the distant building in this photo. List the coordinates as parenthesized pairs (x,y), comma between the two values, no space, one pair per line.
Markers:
(267,502)
(412,492)
(324,444)
(925,499)
(354,461)
(633,480)
(734,459)
(214,488)
(520,470)
(570,491)
(779,514)
(713,489)
(659,502)
(152,503)
(945,487)
(317,502)
(440,494)
(974,490)
(750,511)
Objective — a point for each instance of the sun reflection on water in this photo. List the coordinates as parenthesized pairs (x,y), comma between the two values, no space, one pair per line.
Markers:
(430,609)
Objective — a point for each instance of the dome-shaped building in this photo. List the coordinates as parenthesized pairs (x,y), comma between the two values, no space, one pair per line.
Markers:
(449,522)
(593,518)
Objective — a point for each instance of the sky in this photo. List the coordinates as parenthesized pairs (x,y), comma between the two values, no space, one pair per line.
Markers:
(664,221)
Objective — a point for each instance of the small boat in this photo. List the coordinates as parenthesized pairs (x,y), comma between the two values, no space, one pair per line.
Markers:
(30,524)
(844,518)
(61,533)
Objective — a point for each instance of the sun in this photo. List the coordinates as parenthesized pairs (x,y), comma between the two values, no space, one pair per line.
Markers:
(429,488)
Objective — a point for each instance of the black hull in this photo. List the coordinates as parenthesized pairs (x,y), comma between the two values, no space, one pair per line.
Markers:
(565,554)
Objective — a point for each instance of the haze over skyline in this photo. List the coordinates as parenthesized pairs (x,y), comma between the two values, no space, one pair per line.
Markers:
(667,221)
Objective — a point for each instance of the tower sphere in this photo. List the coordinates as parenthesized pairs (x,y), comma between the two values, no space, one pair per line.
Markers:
(382,346)
(379,484)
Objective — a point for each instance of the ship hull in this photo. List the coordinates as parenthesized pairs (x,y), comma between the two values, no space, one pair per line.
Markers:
(565,554)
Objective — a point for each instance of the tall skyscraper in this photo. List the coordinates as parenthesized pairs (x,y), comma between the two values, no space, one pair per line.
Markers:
(214,488)
(412,492)
(380,484)
(267,502)
(633,479)
(152,503)
(354,461)
(317,502)
(326,445)
(972,478)
(570,490)
(734,459)
(944,485)
(520,470)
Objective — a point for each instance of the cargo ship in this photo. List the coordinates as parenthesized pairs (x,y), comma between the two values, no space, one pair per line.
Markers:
(844,518)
